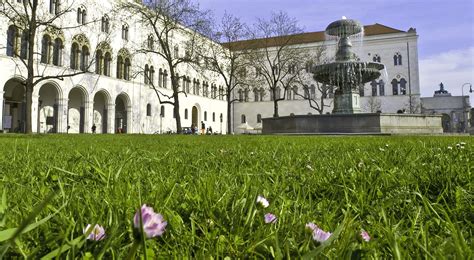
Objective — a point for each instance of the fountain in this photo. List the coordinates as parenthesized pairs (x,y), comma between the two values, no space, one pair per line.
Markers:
(347,73)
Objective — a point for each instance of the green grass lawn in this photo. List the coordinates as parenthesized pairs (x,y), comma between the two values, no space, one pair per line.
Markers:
(413,195)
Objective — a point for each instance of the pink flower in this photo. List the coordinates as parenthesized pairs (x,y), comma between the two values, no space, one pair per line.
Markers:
(365,235)
(97,233)
(270,218)
(318,234)
(263,201)
(153,223)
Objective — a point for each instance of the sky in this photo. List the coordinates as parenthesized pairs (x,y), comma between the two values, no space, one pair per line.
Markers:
(445,29)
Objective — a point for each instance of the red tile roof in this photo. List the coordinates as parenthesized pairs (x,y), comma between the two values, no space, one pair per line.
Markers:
(375,29)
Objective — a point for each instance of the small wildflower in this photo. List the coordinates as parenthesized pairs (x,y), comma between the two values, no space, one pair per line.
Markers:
(270,218)
(462,143)
(96,234)
(450,148)
(263,201)
(318,234)
(381,149)
(365,235)
(309,167)
(153,223)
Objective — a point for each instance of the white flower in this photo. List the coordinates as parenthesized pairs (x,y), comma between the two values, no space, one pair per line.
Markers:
(263,201)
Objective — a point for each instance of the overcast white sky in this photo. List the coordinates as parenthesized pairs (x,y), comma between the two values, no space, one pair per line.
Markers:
(445,27)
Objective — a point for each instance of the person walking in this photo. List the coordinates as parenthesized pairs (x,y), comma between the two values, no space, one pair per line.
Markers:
(203,127)
(93,128)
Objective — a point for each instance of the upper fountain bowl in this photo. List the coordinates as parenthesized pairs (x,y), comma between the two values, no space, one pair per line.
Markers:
(344,28)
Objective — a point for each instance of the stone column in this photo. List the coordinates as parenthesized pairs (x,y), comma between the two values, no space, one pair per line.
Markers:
(35,114)
(111,118)
(62,115)
(88,116)
(2,105)
(130,123)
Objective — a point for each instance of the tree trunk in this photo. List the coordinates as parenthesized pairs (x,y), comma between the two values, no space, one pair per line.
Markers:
(275,107)
(177,116)
(229,114)
(29,111)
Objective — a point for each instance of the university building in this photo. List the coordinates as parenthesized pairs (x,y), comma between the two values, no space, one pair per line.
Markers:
(114,95)
(398,89)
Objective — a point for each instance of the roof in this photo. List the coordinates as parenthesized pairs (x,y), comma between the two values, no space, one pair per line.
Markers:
(309,37)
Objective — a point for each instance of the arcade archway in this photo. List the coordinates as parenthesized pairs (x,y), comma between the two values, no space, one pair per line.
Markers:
(14,110)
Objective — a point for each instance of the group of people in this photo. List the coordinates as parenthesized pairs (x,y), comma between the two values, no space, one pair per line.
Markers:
(204,130)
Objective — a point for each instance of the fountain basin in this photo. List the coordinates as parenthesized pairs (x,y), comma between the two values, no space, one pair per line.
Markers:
(362,123)
(347,73)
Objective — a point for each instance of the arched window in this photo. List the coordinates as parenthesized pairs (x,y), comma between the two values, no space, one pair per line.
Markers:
(243,119)
(150,42)
(126,71)
(160,78)
(397,59)
(313,91)
(381,88)
(403,86)
(74,56)
(221,93)
(85,58)
(295,92)
(148,110)
(262,93)
(221,118)
(395,87)
(58,52)
(24,44)
(99,62)
(305,92)
(152,75)
(186,113)
(246,95)
(54,6)
(205,115)
(120,67)
(12,41)
(259,118)
(176,52)
(374,88)
(241,95)
(198,87)
(165,79)
(146,74)
(105,25)
(125,32)
(107,62)
(213,117)
(377,58)
(162,111)
(81,15)
(256,93)
(46,49)
(288,93)
(188,83)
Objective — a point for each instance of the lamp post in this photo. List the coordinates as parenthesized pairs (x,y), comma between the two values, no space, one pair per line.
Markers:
(464,104)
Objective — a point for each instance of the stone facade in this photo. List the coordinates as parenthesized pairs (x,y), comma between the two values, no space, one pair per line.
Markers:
(454,109)
(113,103)
(396,49)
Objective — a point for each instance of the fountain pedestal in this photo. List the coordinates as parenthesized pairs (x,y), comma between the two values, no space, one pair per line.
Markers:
(346,103)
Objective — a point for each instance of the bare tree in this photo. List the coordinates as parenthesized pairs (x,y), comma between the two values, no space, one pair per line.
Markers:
(373,105)
(170,20)
(414,105)
(227,57)
(274,56)
(31,17)
(314,92)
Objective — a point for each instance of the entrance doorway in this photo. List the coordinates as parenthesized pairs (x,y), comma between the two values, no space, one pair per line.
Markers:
(195,117)
(76,111)
(14,106)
